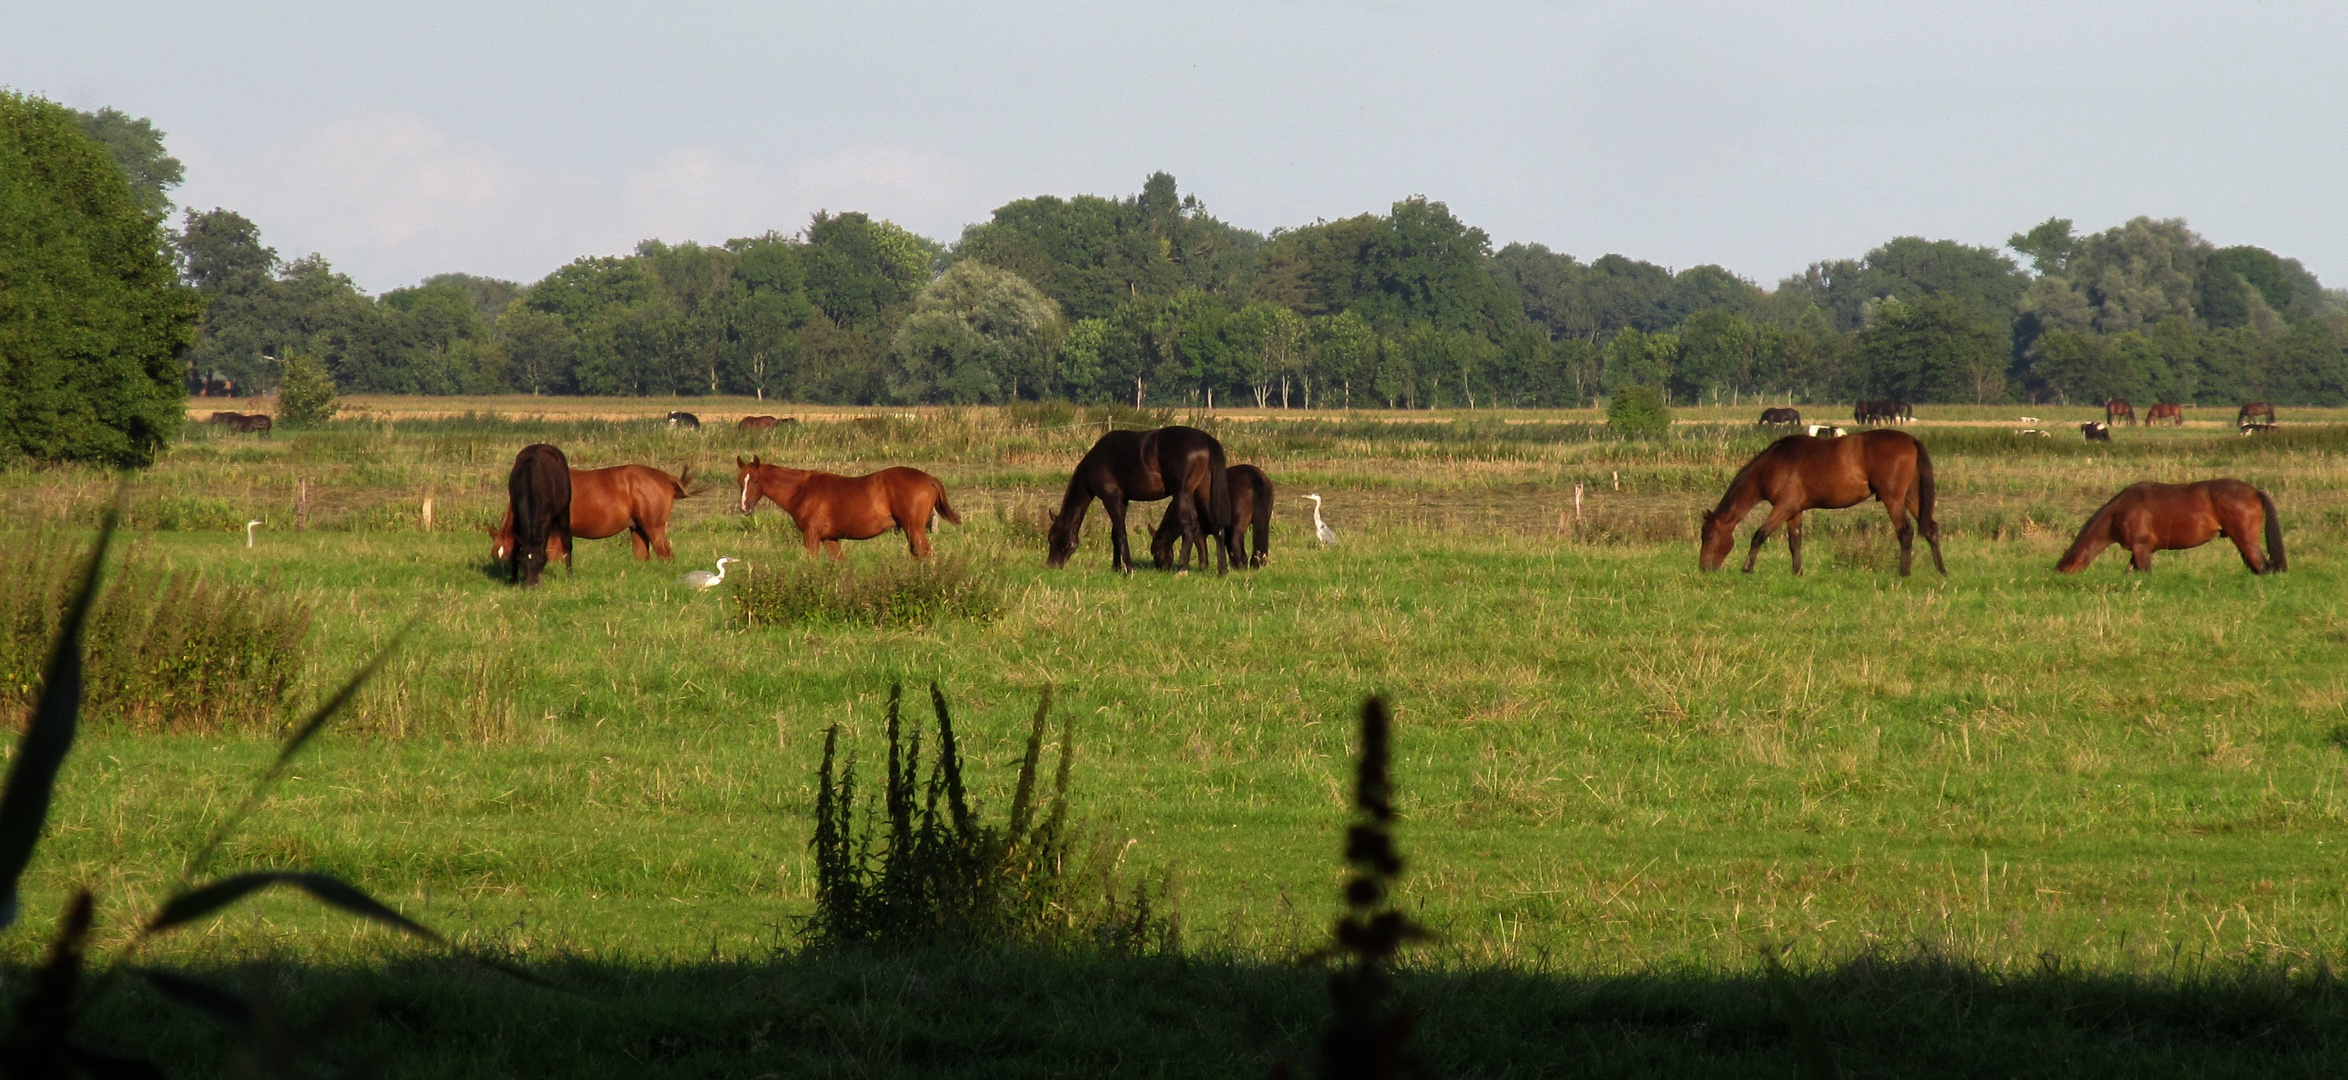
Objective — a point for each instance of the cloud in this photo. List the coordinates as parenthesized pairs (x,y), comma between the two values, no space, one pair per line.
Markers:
(390,198)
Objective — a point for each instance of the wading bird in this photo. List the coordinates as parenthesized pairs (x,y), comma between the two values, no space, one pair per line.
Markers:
(1321,528)
(703,579)
(249,527)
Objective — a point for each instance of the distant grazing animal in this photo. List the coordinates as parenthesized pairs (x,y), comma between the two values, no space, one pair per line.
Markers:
(2096,431)
(2165,410)
(685,420)
(1869,411)
(1179,463)
(2259,429)
(2033,431)
(605,502)
(1825,431)
(2118,409)
(1251,505)
(1799,473)
(1781,416)
(224,417)
(1321,529)
(758,423)
(2151,517)
(2256,410)
(538,499)
(829,508)
(2031,420)
(256,423)
(703,579)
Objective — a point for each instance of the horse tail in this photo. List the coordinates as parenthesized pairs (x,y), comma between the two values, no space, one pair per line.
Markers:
(1924,495)
(682,482)
(1218,513)
(2274,534)
(939,509)
(1263,522)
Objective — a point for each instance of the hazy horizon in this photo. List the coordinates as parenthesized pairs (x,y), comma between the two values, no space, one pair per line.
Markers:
(435,138)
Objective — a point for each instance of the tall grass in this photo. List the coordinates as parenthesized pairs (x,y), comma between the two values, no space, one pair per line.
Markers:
(892,593)
(167,650)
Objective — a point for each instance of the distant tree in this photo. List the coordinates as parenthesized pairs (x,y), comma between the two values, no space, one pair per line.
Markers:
(1344,349)
(137,148)
(92,318)
(858,268)
(1423,265)
(1931,348)
(2122,279)
(305,393)
(1091,253)
(1274,344)
(1637,410)
(1718,352)
(540,349)
(1634,358)
(1985,281)
(977,335)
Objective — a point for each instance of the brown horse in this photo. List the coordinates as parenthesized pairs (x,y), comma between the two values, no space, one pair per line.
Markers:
(829,508)
(224,417)
(247,423)
(605,502)
(758,423)
(2165,410)
(538,499)
(2118,409)
(1179,463)
(1780,416)
(1251,505)
(2151,517)
(2256,410)
(1799,473)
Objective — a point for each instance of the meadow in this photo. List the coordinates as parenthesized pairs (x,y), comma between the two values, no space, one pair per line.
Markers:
(2005,819)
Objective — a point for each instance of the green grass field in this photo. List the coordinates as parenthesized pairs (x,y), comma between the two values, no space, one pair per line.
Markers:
(1963,806)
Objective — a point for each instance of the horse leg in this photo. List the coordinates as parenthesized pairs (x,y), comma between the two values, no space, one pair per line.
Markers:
(1905,529)
(917,537)
(641,542)
(1778,516)
(2244,543)
(660,543)
(1793,540)
(1120,556)
(2140,554)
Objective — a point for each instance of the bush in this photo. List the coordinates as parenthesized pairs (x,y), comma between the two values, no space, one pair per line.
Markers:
(92,316)
(912,875)
(305,393)
(915,592)
(165,650)
(1637,410)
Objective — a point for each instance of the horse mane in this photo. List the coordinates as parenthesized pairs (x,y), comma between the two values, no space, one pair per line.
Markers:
(1067,524)
(1737,482)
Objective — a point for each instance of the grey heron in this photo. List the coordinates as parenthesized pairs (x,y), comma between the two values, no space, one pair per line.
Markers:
(249,527)
(1321,529)
(703,579)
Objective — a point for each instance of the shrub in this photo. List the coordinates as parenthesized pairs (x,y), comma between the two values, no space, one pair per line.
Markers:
(1637,410)
(165,650)
(913,874)
(305,393)
(915,592)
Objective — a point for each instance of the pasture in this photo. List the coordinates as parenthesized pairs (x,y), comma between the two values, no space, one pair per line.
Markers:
(1620,779)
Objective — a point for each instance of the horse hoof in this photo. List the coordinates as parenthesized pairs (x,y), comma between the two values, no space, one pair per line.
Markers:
(1181,573)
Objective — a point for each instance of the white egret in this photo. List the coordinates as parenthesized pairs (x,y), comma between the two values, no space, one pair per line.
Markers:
(703,579)
(249,527)
(1321,528)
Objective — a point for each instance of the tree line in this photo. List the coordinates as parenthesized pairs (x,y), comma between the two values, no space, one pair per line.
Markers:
(1148,299)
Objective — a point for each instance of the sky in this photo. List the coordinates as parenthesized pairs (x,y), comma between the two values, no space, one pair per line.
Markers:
(403,140)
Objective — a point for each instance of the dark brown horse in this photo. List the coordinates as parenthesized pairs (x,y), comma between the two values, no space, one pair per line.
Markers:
(248,423)
(2118,409)
(538,499)
(829,508)
(2151,517)
(635,499)
(1251,505)
(224,417)
(1180,463)
(2256,410)
(1781,416)
(2165,410)
(757,423)
(1799,473)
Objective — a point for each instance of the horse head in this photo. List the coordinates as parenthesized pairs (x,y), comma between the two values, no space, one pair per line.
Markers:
(1719,537)
(1063,539)
(746,477)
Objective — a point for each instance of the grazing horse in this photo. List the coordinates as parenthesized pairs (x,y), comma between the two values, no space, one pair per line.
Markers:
(2255,410)
(1181,463)
(758,423)
(829,508)
(635,499)
(1251,505)
(2096,431)
(538,499)
(2164,410)
(1780,416)
(2151,517)
(685,420)
(1799,473)
(2118,409)
(224,417)
(255,423)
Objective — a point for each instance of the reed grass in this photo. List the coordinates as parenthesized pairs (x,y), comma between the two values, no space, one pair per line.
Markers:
(890,594)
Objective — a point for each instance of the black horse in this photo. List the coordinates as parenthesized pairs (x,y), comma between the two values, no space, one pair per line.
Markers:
(685,420)
(1181,463)
(1251,505)
(538,496)
(1781,416)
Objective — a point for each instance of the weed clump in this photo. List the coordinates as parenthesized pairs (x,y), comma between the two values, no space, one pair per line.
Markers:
(1638,411)
(916,874)
(165,650)
(917,592)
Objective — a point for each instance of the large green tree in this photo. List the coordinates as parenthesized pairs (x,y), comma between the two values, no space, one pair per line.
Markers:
(977,335)
(1931,348)
(92,318)
(137,148)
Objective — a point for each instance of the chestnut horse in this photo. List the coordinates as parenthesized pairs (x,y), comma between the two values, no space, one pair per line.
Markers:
(2118,409)
(1799,473)
(2255,410)
(2151,517)
(758,423)
(829,508)
(1251,505)
(2164,410)
(538,499)
(605,502)
(1180,463)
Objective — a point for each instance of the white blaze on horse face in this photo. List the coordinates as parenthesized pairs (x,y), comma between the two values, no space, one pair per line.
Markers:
(745,493)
